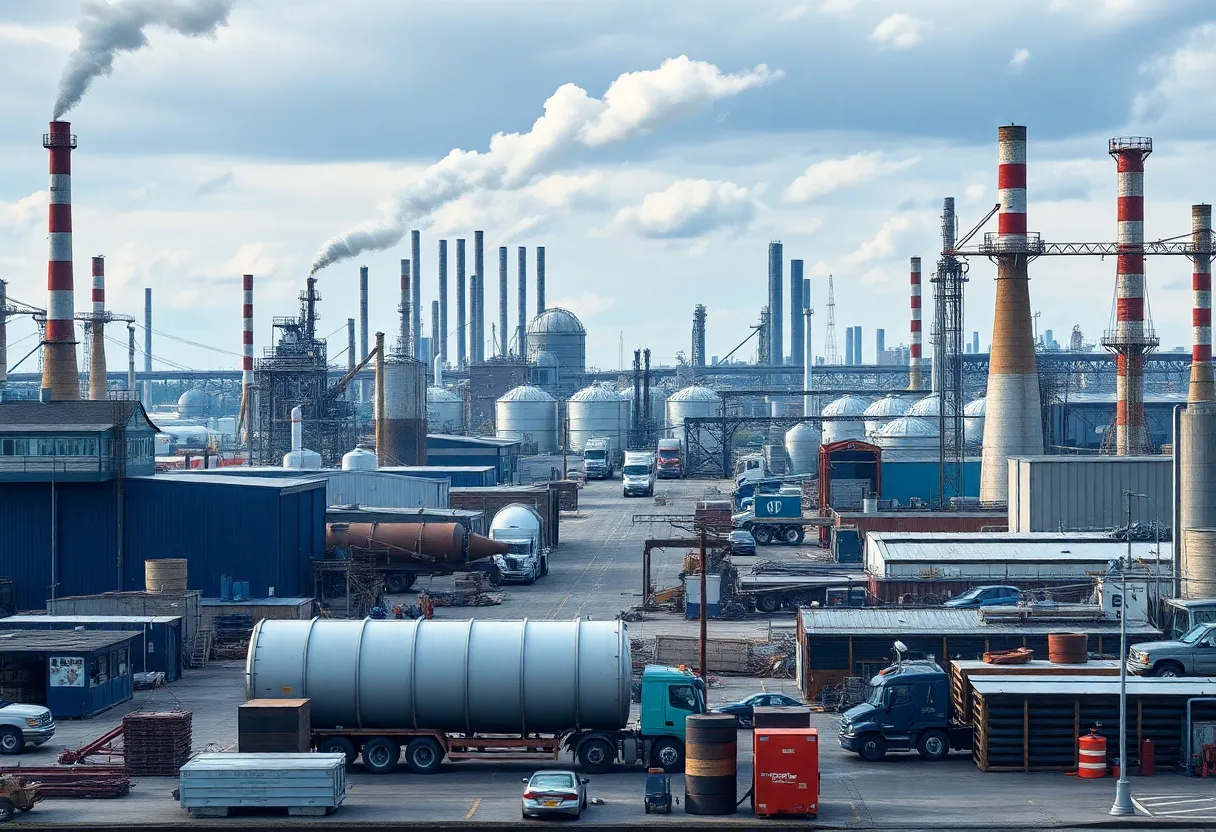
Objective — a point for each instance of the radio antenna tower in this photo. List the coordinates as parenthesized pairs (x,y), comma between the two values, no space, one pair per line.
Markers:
(829,348)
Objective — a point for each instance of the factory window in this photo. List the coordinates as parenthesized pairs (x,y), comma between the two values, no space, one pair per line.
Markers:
(15,447)
(99,671)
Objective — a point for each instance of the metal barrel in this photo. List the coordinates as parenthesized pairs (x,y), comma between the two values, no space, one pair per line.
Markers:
(710,768)
(1068,648)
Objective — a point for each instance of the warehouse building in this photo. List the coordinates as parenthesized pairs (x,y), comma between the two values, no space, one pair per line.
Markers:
(156,648)
(446,450)
(1086,493)
(76,674)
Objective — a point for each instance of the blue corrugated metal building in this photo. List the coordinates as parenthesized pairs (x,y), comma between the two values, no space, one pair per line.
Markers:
(157,648)
(444,450)
(76,674)
(903,479)
(460,476)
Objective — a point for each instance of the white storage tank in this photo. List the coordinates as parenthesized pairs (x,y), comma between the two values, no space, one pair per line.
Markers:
(627,420)
(596,411)
(844,406)
(529,414)
(884,410)
(802,443)
(693,401)
(360,459)
(928,406)
(779,406)
(973,422)
(908,433)
(444,411)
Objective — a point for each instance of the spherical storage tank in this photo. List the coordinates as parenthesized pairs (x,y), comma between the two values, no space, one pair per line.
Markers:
(193,404)
(560,333)
(973,422)
(844,406)
(596,411)
(802,447)
(694,401)
(908,433)
(404,430)
(360,459)
(530,414)
(514,677)
(444,411)
(928,406)
(883,411)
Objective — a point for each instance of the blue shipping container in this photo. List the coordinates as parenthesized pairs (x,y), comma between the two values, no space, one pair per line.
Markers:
(158,648)
(778,505)
(904,479)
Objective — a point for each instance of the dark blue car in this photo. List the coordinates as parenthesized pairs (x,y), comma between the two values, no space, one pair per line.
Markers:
(986,596)
(743,708)
(742,543)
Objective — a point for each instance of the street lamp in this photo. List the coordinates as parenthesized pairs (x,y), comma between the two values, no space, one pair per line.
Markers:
(1123,797)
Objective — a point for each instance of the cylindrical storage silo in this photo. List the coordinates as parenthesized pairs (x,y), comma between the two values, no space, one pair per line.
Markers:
(802,443)
(844,406)
(908,433)
(559,336)
(359,459)
(1199,562)
(779,406)
(626,397)
(1197,491)
(529,414)
(693,402)
(596,411)
(928,406)
(883,411)
(973,423)
(404,430)
(444,411)
(710,764)
(165,575)
(516,677)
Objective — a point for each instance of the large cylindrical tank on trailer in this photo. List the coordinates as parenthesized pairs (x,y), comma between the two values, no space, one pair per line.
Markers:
(442,542)
(517,516)
(515,677)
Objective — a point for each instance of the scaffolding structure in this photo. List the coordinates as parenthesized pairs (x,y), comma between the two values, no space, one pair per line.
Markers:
(698,336)
(948,285)
(830,355)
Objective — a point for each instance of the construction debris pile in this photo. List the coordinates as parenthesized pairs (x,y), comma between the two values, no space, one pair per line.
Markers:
(231,639)
(471,589)
(776,659)
(1143,532)
(157,744)
(98,781)
(841,697)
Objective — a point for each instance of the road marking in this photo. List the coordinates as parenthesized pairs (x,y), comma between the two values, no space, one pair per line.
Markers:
(1169,805)
(476,803)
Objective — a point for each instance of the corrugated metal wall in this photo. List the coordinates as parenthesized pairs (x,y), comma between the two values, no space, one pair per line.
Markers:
(905,479)
(386,490)
(1086,493)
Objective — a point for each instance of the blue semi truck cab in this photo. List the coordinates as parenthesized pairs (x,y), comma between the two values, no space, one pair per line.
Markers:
(908,709)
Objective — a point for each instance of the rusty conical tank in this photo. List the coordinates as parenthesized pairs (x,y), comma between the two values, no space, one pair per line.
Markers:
(442,542)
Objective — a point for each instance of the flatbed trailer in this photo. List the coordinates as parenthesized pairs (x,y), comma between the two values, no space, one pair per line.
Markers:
(770,593)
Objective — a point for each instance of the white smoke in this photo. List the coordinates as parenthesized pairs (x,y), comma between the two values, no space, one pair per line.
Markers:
(108,28)
(635,103)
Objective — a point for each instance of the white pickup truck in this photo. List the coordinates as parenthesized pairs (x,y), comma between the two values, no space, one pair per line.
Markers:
(24,725)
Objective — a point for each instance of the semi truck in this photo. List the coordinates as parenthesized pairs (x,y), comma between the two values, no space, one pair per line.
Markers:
(473,690)
(637,477)
(670,459)
(518,526)
(776,518)
(400,552)
(597,458)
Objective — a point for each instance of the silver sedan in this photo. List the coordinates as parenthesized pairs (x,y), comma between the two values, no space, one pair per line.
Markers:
(554,793)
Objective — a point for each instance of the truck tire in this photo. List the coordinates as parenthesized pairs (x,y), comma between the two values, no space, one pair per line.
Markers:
(873,748)
(6,810)
(339,745)
(668,755)
(1167,670)
(380,755)
(789,535)
(596,755)
(933,745)
(768,603)
(801,536)
(398,582)
(763,535)
(423,756)
(12,741)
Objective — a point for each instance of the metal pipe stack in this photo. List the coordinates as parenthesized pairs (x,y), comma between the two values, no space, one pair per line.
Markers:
(540,279)
(97,351)
(441,335)
(462,335)
(147,329)
(502,302)
(776,341)
(796,308)
(246,413)
(522,340)
(363,351)
(351,360)
(59,370)
(848,346)
(857,345)
(434,331)
(415,348)
(403,309)
(1201,388)
(1013,423)
(915,360)
(479,296)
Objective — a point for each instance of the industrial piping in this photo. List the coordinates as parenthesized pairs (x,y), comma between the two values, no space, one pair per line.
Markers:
(462,335)
(502,302)
(1201,387)
(522,339)
(441,335)
(915,344)
(416,295)
(540,279)
(97,349)
(59,370)
(1133,335)
(1013,423)
(796,309)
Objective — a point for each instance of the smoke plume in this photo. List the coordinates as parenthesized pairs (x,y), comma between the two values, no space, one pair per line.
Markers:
(108,28)
(635,103)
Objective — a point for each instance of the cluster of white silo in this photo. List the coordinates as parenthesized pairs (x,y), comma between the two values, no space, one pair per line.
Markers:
(973,422)
(844,406)
(528,414)
(692,402)
(598,412)
(444,411)
(883,411)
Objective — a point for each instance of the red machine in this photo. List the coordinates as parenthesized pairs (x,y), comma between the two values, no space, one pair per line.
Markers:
(785,771)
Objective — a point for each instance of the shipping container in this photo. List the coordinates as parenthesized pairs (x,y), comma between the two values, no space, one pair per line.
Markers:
(157,649)
(1081,493)
(785,771)
(905,480)
(459,476)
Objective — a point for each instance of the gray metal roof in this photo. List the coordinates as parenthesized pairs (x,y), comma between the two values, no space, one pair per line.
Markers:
(82,416)
(92,619)
(1092,686)
(60,641)
(256,602)
(526,393)
(488,441)
(284,484)
(835,621)
(941,547)
(555,319)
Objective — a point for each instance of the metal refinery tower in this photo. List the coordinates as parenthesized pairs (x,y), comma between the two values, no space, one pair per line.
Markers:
(59,370)
(1132,336)
(1013,423)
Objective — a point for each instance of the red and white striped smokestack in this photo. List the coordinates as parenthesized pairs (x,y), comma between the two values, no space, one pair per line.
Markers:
(914,349)
(1133,335)
(1202,388)
(59,369)
(97,338)
(1012,424)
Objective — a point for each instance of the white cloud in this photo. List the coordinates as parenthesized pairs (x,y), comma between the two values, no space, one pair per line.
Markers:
(689,208)
(1181,86)
(830,175)
(975,191)
(837,7)
(804,228)
(1020,57)
(1112,13)
(899,30)
(586,305)
(794,13)
(562,190)
(882,244)
(24,211)
(59,36)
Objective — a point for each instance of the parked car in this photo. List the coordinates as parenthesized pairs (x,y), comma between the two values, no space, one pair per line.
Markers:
(554,793)
(742,542)
(1192,654)
(986,596)
(23,725)
(743,709)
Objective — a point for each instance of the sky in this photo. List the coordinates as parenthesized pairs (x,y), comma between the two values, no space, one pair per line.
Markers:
(654,149)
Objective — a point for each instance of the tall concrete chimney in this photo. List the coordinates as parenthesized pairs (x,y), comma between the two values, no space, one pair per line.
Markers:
(462,334)
(130,359)
(1201,388)
(848,347)
(809,405)
(915,357)
(59,370)
(975,343)
(363,349)
(1012,423)
(416,294)
(441,336)
(97,349)
(540,279)
(503,339)
(880,344)
(776,341)
(479,295)
(522,338)
(806,293)
(1133,335)
(796,307)
(3,338)
(403,310)
(147,329)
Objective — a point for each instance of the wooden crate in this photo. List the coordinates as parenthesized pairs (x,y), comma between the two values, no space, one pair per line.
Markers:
(961,672)
(282,726)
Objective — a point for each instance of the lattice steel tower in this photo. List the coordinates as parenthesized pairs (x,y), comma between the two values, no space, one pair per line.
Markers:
(830,356)
(948,334)
(698,336)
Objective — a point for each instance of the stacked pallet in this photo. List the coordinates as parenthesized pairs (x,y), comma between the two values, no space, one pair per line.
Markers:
(274,726)
(157,744)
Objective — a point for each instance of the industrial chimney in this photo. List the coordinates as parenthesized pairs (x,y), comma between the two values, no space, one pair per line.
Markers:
(245,418)
(1013,423)
(147,329)
(522,341)
(403,309)
(462,335)
(416,295)
(502,301)
(97,349)
(1201,388)
(848,347)
(434,342)
(479,296)
(915,360)
(796,307)
(59,371)
(776,341)
(540,279)
(441,335)
(362,312)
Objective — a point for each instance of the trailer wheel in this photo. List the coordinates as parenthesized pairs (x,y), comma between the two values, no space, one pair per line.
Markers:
(398,582)
(801,536)
(380,755)
(596,755)
(768,603)
(423,756)
(669,755)
(933,745)
(339,745)
(790,535)
(763,535)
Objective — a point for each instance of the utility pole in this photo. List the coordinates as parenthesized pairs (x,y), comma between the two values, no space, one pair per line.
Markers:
(703,614)
(1123,797)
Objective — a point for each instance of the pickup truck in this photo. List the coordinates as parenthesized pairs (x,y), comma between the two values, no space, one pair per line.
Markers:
(1191,654)
(24,725)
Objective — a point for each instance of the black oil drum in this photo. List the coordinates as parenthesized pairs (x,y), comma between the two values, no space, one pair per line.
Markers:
(711,761)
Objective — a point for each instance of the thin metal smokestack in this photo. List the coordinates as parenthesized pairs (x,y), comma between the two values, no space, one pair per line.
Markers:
(403,310)
(434,342)
(806,293)
(479,296)
(3,338)
(502,301)
(522,338)
(915,358)
(1133,335)
(462,335)
(796,307)
(848,346)
(441,335)
(245,417)
(147,329)
(59,370)
(776,342)
(415,349)
(97,336)
(809,406)
(857,352)
(540,279)
(1201,388)
(1012,423)
(351,359)
(363,351)
(130,358)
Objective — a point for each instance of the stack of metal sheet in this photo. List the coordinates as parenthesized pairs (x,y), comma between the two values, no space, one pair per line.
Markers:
(157,744)
(93,781)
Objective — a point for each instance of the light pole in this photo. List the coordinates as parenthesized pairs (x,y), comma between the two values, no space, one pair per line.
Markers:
(1123,797)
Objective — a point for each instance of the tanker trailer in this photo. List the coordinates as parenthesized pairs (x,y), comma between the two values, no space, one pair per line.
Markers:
(400,552)
(490,690)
